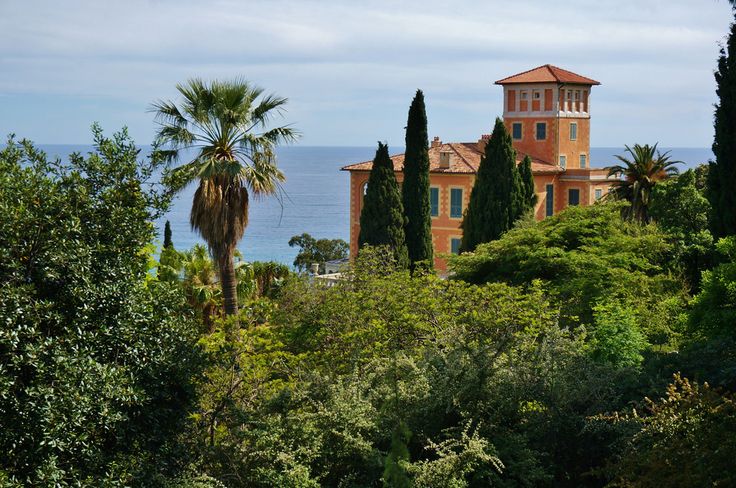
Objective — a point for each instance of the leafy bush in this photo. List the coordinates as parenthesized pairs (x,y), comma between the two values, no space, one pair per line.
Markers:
(96,359)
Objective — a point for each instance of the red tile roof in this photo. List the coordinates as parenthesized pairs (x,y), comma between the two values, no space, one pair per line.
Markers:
(547,74)
(464,158)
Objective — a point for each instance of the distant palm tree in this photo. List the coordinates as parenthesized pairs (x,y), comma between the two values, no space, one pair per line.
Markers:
(200,284)
(638,175)
(226,124)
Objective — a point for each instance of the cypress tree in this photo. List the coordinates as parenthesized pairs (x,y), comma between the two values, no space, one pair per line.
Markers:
(527,179)
(497,195)
(415,190)
(168,243)
(722,172)
(382,217)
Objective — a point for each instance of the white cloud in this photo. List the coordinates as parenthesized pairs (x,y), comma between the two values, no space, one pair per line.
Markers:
(351,67)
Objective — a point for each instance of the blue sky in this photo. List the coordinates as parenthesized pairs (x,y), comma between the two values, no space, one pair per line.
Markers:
(350,69)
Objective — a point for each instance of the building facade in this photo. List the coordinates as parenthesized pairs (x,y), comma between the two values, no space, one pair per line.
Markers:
(547,112)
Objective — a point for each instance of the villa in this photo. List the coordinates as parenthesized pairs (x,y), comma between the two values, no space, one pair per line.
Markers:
(547,112)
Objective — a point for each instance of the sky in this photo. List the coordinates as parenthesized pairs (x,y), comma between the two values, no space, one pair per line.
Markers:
(350,69)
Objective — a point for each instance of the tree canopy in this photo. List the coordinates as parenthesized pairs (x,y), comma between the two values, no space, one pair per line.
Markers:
(97,361)
(318,251)
(722,172)
(382,216)
(415,187)
(497,198)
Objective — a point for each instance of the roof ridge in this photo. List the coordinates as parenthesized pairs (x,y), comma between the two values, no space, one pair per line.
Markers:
(465,161)
(555,72)
(552,66)
(525,72)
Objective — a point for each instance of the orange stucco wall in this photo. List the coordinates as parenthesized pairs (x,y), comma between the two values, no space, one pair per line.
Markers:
(529,144)
(574,148)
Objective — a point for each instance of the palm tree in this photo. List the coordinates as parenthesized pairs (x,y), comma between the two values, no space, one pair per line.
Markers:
(226,123)
(638,175)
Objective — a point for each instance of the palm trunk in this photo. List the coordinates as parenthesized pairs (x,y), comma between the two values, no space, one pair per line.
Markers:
(229,285)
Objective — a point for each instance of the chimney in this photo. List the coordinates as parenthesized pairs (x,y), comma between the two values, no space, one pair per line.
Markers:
(483,141)
(436,142)
(445,159)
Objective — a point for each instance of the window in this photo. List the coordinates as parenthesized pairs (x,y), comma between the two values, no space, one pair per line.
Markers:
(541,131)
(516,131)
(563,162)
(583,160)
(574,131)
(524,95)
(598,193)
(573,196)
(455,245)
(456,203)
(537,95)
(434,202)
(550,200)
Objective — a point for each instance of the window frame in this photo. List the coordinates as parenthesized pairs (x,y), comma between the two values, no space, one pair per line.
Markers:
(597,193)
(537,125)
(462,196)
(569,193)
(563,161)
(513,131)
(459,241)
(583,160)
(573,133)
(436,188)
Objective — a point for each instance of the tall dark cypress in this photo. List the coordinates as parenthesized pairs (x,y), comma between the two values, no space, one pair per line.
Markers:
(722,173)
(382,217)
(496,198)
(168,243)
(415,190)
(529,198)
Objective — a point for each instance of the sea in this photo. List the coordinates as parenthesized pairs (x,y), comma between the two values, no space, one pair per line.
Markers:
(315,197)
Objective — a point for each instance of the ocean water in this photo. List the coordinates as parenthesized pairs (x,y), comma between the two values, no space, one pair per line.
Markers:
(315,198)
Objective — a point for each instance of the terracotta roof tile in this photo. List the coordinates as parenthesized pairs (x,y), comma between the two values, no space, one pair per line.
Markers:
(547,74)
(464,158)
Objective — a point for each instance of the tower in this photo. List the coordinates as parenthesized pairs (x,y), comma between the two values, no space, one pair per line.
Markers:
(547,112)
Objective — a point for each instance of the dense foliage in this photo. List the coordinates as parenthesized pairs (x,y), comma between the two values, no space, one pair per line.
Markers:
(722,174)
(382,216)
(499,196)
(318,251)
(415,187)
(588,256)
(522,373)
(681,210)
(97,361)
(534,365)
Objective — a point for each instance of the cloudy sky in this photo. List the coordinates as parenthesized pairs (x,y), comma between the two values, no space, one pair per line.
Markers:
(350,69)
